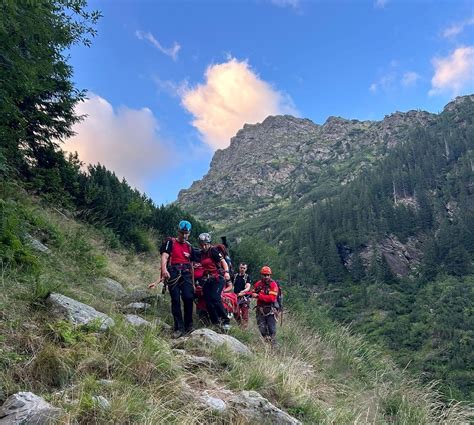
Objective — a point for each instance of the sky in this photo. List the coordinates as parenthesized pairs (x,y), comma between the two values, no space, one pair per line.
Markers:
(170,82)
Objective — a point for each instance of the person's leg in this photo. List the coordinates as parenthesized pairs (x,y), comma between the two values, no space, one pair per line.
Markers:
(244,314)
(217,300)
(272,328)
(174,291)
(187,294)
(261,322)
(208,290)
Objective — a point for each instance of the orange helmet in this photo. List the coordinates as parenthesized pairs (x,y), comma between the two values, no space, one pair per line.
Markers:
(266,270)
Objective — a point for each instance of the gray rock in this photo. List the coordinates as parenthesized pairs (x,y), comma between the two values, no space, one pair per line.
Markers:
(77,312)
(212,339)
(101,402)
(105,382)
(136,307)
(112,287)
(37,245)
(28,408)
(137,321)
(212,403)
(257,409)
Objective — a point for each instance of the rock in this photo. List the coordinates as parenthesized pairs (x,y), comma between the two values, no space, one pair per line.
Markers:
(191,361)
(28,408)
(77,312)
(213,339)
(136,307)
(105,382)
(212,403)
(137,321)
(101,402)
(139,296)
(37,245)
(112,287)
(257,409)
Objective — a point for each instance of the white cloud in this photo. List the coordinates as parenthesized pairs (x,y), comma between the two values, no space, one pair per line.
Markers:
(410,78)
(457,28)
(170,51)
(124,140)
(232,95)
(284,3)
(380,4)
(454,72)
(385,83)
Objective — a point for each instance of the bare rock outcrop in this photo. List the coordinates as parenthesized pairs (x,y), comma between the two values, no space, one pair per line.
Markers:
(77,312)
(28,408)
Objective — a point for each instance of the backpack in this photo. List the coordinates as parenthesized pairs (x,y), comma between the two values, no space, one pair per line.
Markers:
(278,304)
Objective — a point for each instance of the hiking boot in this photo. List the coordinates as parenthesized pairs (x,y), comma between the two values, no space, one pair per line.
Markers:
(226,327)
(177,334)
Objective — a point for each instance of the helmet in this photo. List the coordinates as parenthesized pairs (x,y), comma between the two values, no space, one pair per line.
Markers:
(204,238)
(266,270)
(184,226)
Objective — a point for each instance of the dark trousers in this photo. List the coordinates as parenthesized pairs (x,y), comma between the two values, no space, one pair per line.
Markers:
(182,289)
(267,323)
(212,291)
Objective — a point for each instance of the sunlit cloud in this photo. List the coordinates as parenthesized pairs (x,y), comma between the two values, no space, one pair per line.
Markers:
(124,140)
(454,73)
(232,95)
(170,51)
(457,28)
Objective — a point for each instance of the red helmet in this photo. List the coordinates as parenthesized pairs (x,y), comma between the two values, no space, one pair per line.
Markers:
(266,270)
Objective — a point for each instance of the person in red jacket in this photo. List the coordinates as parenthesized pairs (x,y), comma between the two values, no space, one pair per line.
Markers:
(176,272)
(266,293)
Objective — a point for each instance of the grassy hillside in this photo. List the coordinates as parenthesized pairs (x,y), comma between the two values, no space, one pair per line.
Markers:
(321,373)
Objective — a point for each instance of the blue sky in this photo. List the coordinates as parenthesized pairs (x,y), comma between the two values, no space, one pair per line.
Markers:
(171,81)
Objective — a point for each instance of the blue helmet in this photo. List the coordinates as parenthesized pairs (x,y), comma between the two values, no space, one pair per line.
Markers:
(184,226)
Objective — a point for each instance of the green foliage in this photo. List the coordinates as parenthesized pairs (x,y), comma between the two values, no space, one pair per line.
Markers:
(13,247)
(257,253)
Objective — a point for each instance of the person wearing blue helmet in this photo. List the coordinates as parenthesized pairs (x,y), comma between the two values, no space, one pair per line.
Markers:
(176,272)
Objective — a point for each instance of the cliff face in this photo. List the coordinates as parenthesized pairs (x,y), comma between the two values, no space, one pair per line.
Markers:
(280,160)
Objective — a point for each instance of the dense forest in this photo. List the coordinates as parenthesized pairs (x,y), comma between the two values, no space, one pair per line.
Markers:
(422,193)
(37,112)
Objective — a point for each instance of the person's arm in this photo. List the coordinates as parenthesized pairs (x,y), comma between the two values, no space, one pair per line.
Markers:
(272,294)
(229,287)
(225,267)
(164,274)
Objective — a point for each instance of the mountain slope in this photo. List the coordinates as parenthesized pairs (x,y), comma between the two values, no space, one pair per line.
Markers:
(322,373)
(282,159)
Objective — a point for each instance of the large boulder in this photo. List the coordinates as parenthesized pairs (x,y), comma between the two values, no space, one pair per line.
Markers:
(77,312)
(28,408)
(212,339)
(257,409)
(112,288)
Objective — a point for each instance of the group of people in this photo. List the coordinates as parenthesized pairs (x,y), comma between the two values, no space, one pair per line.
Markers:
(189,273)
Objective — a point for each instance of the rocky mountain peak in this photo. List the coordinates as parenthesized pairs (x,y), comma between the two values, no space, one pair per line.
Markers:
(278,160)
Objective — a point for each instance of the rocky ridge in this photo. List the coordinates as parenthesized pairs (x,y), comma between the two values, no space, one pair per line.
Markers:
(279,160)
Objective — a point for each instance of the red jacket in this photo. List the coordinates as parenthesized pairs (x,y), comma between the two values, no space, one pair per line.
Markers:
(267,292)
